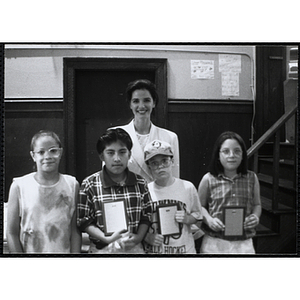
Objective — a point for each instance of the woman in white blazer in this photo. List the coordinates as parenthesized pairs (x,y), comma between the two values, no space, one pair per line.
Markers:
(142,98)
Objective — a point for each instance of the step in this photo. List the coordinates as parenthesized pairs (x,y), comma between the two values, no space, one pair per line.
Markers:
(286,191)
(287,150)
(283,183)
(286,167)
(276,232)
(266,204)
(270,218)
(263,231)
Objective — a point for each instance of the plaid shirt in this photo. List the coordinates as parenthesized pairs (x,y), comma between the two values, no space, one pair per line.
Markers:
(99,187)
(223,191)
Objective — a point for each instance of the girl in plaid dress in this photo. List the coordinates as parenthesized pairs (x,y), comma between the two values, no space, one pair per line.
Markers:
(229,184)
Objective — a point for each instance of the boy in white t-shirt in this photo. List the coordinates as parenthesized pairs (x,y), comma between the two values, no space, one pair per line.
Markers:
(167,189)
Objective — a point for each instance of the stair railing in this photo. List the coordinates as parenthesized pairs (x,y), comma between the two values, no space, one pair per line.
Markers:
(273,131)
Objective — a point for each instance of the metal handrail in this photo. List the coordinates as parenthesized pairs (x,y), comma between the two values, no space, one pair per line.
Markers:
(273,129)
(253,151)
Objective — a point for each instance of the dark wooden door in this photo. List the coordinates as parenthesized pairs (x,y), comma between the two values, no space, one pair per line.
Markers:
(270,77)
(100,104)
(96,100)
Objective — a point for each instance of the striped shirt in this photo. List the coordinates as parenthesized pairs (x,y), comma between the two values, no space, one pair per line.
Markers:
(223,192)
(99,187)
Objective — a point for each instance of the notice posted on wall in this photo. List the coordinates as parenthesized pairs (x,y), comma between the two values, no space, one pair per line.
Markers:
(230,63)
(230,66)
(230,84)
(202,69)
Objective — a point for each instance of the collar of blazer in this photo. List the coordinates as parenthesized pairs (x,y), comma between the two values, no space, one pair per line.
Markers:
(137,153)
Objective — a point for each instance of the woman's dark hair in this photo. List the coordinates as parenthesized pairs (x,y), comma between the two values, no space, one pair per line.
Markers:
(141,84)
(44,133)
(111,136)
(215,167)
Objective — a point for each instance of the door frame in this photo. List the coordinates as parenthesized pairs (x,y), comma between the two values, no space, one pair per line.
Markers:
(70,65)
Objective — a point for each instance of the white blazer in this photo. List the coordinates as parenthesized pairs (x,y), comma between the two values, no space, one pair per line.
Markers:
(136,163)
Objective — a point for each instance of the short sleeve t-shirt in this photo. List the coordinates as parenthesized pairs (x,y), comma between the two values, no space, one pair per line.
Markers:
(184,194)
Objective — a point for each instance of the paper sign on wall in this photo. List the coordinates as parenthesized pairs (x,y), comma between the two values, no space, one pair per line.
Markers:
(230,84)
(202,69)
(230,63)
(230,66)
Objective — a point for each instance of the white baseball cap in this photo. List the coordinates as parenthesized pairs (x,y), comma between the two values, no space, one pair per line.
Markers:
(157,147)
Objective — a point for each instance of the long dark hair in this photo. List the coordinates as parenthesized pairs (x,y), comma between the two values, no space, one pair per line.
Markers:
(215,167)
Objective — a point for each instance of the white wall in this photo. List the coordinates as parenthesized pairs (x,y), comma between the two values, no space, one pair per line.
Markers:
(36,71)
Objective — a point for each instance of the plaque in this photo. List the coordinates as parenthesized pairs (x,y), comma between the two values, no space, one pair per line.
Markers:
(166,219)
(115,216)
(234,217)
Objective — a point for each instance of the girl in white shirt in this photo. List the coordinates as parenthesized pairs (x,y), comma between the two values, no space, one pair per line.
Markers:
(41,216)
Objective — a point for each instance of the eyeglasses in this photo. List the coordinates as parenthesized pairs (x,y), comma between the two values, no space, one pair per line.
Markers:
(165,162)
(54,152)
(236,152)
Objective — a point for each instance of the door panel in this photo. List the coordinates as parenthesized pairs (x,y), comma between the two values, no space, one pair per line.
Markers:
(100,104)
(94,99)
(270,76)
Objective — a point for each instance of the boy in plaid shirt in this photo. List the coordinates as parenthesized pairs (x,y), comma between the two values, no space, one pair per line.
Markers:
(114,182)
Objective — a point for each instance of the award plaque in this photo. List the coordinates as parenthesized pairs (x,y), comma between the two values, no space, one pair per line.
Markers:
(115,216)
(234,217)
(166,219)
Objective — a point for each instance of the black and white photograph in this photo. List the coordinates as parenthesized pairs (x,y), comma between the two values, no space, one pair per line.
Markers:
(205,127)
(193,105)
